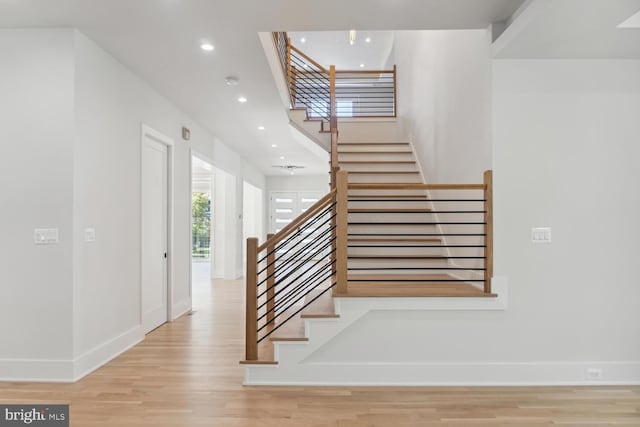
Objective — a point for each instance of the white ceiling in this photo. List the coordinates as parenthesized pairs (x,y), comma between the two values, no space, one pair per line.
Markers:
(159,40)
(572,29)
(333,48)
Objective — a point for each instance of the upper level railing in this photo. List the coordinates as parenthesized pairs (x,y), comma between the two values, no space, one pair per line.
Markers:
(366,93)
(331,94)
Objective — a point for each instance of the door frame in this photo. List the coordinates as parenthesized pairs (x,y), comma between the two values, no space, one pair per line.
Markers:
(147,131)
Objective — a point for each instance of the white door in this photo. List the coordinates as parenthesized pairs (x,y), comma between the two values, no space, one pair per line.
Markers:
(154,234)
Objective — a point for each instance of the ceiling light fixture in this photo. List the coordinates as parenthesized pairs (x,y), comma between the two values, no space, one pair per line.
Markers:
(274,145)
(281,157)
(352,37)
(260,127)
(303,40)
(361,65)
(242,99)
(207,47)
(231,81)
(368,40)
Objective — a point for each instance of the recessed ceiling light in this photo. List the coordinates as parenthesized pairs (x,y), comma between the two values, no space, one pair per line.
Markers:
(361,65)
(292,173)
(242,99)
(207,47)
(274,145)
(281,157)
(260,127)
(303,40)
(368,40)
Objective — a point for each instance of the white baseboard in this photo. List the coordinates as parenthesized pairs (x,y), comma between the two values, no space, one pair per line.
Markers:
(36,370)
(104,353)
(181,308)
(445,374)
(48,370)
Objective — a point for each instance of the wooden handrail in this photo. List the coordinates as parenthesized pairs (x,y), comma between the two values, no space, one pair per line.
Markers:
(289,228)
(488,219)
(305,56)
(416,186)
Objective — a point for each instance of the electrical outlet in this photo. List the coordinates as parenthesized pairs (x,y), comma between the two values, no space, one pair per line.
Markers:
(594,374)
(89,234)
(541,235)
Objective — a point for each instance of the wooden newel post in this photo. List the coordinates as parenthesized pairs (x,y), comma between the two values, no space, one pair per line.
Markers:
(251,326)
(271,281)
(342,212)
(488,228)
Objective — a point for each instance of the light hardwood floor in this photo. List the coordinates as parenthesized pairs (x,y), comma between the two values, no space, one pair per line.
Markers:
(187,374)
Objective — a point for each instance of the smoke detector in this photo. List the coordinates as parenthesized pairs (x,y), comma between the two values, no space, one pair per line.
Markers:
(231,81)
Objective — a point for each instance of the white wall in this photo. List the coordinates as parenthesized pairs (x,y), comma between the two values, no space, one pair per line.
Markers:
(72,144)
(566,155)
(444,101)
(36,181)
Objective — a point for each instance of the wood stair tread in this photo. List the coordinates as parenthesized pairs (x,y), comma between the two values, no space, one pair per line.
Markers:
(395,240)
(387,196)
(375,152)
(384,172)
(389,210)
(408,289)
(377,162)
(372,143)
(397,257)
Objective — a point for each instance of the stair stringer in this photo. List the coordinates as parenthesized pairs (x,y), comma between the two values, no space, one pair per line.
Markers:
(298,366)
(309,128)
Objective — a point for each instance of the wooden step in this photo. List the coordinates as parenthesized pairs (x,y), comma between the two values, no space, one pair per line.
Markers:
(412,289)
(388,211)
(395,257)
(377,162)
(394,240)
(421,197)
(384,172)
(375,152)
(373,143)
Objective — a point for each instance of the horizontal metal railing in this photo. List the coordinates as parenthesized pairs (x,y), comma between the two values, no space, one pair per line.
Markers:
(366,93)
(289,271)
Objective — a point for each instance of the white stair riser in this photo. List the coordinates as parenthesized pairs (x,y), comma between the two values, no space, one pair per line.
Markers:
(392,229)
(363,249)
(374,156)
(408,167)
(399,217)
(396,263)
(399,178)
(381,204)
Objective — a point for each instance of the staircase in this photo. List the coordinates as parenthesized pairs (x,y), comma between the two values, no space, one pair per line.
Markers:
(382,239)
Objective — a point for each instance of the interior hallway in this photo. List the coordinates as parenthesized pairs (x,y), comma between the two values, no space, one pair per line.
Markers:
(186,373)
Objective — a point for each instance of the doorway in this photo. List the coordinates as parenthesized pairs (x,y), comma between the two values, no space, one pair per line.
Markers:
(252,216)
(202,207)
(156,157)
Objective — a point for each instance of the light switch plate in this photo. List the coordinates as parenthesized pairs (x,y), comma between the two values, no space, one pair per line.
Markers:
(89,234)
(541,235)
(46,236)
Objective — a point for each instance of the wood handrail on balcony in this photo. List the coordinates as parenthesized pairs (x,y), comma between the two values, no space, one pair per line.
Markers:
(308,58)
